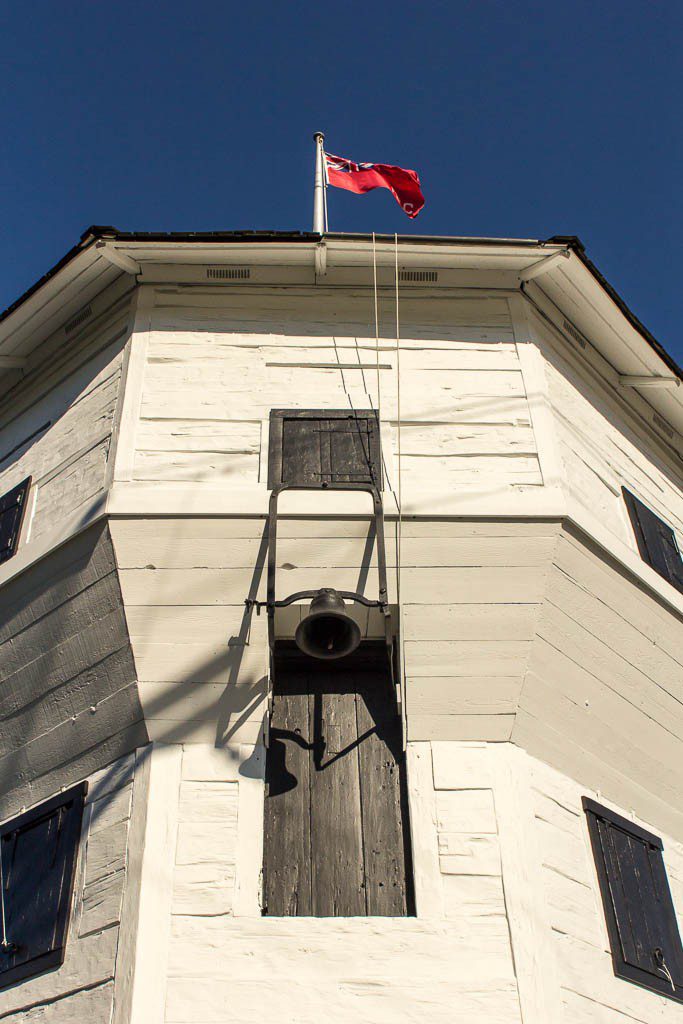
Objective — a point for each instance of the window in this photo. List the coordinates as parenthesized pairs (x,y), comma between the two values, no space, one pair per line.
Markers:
(641,921)
(317,447)
(12,508)
(38,857)
(656,541)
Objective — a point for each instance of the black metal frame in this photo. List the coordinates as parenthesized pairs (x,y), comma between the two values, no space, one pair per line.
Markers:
(270,604)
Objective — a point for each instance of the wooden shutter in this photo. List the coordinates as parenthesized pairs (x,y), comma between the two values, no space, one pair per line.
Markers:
(336,836)
(318,447)
(656,541)
(12,507)
(640,916)
(38,853)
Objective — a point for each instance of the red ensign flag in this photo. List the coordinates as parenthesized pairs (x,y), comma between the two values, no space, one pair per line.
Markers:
(404,185)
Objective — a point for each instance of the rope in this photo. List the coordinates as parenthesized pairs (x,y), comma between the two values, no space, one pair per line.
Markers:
(399,523)
(374,280)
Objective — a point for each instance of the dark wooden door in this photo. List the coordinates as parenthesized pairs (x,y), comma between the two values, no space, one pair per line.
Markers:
(336,840)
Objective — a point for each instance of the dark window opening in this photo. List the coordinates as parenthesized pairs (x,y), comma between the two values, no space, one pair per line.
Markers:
(641,920)
(12,510)
(322,446)
(38,857)
(656,541)
(336,831)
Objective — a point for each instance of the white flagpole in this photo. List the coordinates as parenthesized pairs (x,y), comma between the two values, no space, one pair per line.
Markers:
(319,186)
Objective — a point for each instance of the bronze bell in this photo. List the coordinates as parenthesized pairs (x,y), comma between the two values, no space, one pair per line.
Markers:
(328,631)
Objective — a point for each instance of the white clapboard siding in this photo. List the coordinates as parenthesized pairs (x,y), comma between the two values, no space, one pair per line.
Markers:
(603,695)
(82,987)
(218,362)
(61,433)
(351,968)
(603,452)
(574,916)
(471,594)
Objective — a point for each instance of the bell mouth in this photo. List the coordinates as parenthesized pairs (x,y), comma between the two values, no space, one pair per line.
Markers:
(327,636)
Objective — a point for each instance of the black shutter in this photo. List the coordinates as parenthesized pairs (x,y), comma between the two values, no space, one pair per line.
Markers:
(38,853)
(656,541)
(12,507)
(318,447)
(641,920)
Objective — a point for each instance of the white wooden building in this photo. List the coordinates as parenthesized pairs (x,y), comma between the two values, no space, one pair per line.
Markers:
(532,488)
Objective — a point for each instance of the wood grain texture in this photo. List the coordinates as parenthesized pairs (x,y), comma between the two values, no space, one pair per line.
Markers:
(602,449)
(84,982)
(61,436)
(217,365)
(335,836)
(69,685)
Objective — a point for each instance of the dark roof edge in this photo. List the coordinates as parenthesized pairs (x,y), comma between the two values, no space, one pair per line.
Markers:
(576,245)
(96,232)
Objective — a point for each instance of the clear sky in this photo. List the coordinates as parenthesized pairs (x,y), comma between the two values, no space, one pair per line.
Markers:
(522,120)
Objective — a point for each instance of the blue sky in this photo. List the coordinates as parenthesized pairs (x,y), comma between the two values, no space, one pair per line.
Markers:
(523,120)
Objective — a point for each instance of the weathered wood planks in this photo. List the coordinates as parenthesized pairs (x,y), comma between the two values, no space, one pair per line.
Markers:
(335,833)
(68,693)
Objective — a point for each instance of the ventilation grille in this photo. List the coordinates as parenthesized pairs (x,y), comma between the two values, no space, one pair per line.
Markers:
(418,275)
(228,273)
(79,319)
(570,329)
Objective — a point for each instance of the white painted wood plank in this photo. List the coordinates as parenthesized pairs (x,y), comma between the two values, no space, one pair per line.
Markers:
(178,435)
(90,1004)
(130,410)
(461,727)
(178,546)
(466,811)
(462,766)
(469,854)
(154,919)
(466,658)
(466,585)
(89,962)
(128,930)
(462,695)
(249,850)
(471,896)
(449,622)
(566,755)
(207,801)
(211,764)
(472,439)
(203,889)
(535,967)
(427,883)
(198,466)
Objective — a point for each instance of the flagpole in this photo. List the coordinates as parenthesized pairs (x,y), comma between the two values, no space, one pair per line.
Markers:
(319,187)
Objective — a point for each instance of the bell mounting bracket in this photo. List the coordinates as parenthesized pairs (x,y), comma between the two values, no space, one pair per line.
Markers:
(270,604)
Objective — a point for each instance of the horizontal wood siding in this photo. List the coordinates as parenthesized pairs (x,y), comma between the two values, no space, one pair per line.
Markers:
(68,688)
(82,987)
(58,426)
(574,918)
(218,362)
(603,694)
(471,595)
(602,450)
(451,969)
